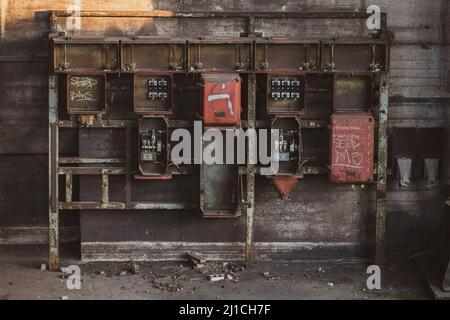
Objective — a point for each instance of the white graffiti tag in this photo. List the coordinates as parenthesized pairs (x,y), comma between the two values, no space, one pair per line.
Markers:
(81,96)
(347,154)
(83,82)
(82,88)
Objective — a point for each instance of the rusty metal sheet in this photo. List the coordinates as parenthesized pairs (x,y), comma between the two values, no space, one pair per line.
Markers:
(220,55)
(166,55)
(85,55)
(352,93)
(219,189)
(354,55)
(285,54)
(86,94)
(352,147)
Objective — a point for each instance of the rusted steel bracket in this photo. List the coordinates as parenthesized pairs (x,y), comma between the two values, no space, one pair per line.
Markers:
(380,217)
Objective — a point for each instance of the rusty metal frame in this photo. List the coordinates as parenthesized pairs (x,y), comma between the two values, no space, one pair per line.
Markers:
(250,201)
(362,14)
(106,42)
(380,216)
(59,166)
(149,41)
(53,225)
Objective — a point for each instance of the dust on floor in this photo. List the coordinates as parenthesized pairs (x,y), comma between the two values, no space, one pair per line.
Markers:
(21,277)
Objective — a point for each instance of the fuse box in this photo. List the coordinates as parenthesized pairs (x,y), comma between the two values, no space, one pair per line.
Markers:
(288,145)
(352,147)
(221,99)
(152,94)
(153,146)
(282,94)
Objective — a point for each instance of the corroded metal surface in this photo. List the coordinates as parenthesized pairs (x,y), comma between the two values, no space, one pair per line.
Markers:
(250,202)
(351,147)
(380,218)
(53,227)
(188,57)
(219,14)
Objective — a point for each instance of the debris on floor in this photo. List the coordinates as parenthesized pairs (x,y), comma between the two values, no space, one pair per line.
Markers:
(167,283)
(135,268)
(179,280)
(197,261)
(214,271)
(43,267)
(216,277)
(225,271)
(268,276)
(123,273)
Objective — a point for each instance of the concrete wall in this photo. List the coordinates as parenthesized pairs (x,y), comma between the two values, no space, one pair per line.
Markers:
(319,214)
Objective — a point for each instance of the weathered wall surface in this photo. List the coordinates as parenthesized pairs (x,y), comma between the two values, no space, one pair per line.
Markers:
(318,214)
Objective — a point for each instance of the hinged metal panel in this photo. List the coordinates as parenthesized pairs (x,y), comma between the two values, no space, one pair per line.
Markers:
(86,94)
(286,54)
(85,55)
(217,55)
(352,147)
(147,54)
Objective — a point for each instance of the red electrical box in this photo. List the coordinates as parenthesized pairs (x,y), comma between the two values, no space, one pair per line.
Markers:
(221,99)
(352,147)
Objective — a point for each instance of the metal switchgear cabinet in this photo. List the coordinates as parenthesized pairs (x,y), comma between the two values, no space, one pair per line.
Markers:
(221,99)
(352,147)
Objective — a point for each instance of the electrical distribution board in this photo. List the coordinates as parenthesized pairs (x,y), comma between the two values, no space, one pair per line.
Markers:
(303,89)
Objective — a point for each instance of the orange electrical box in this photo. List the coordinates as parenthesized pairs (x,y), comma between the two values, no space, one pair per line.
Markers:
(352,147)
(221,99)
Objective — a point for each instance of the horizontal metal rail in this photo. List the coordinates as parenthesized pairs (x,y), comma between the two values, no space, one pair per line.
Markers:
(342,14)
(91,170)
(118,124)
(84,205)
(77,160)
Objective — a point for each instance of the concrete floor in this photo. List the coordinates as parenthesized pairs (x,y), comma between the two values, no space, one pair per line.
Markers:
(21,278)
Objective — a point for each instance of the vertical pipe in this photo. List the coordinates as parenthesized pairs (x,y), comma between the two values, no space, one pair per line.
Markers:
(53,227)
(251,115)
(380,218)
(128,167)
